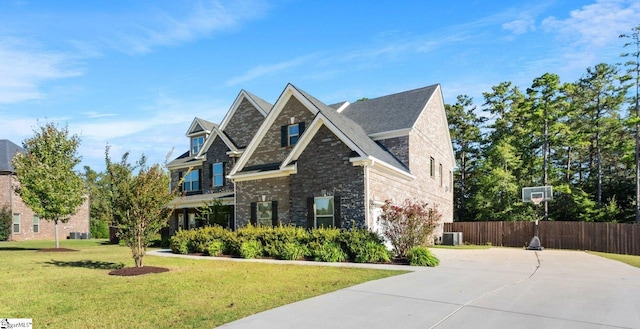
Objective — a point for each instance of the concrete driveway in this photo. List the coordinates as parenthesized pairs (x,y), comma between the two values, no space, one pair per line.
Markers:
(493,288)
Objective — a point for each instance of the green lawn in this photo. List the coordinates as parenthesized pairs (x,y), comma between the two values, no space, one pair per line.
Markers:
(628,259)
(74,290)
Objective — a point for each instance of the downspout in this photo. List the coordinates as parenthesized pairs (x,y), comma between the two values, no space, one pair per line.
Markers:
(367,209)
(11,203)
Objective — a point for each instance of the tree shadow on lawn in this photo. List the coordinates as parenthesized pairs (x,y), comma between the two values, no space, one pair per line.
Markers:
(96,265)
(17,248)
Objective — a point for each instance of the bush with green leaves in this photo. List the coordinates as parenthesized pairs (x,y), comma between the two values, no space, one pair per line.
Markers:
(215,248)
(251,249)
(421,256)
(285,250)
(98,229)
(373,253)
(329,252)
(5,223)
(363,246)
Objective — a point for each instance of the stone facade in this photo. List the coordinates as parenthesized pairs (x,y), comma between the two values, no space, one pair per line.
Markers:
(270,149)
(217,153)
(79,222)
(399,147)
(273,189)
(244,124)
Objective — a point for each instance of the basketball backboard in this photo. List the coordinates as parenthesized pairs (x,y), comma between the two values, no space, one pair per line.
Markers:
(537,194)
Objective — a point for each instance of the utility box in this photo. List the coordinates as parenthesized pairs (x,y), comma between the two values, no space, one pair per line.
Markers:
(74,235)
(452,238)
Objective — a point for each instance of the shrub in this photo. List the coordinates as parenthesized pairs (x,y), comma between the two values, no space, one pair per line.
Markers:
(421,256)
(232,245)
(251,249)
(409,225)
(373,253)
(215,248)
(356,243)
(329,252)
(286,250)
(180,243)
(5,223)
(98,229)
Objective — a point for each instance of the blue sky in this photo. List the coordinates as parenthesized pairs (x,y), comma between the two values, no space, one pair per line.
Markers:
(134,74)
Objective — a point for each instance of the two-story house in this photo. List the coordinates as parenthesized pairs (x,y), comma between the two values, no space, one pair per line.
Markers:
(25,224)
(312,164)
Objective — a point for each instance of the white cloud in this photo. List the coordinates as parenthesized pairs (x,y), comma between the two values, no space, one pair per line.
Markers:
(262,70)
(520,26)
(25,67)
(596,25)
(165,29)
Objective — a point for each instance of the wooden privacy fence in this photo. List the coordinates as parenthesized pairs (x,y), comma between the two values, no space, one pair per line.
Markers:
(605,237)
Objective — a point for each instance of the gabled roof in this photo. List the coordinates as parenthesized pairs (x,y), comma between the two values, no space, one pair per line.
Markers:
(392,112)
(7,151)
(350,132)
(225,139)
(260,104)
(199,125)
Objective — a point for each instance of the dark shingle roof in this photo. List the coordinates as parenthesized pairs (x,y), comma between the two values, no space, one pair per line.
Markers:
(7,150)
(391,112)
(266,106)
(207,125)
(354,132)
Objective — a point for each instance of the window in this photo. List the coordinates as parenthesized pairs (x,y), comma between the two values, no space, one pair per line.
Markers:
(294,133)
(440,173)
(218,174)
(16,223)
(192,221)
(196,144)
(36,223)
(181,221)
(191,181)
(290,134)
(324,212)
(264,213)
(432,167)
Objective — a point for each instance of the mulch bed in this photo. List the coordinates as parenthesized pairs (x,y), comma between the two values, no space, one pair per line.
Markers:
(56,250)
(130,271)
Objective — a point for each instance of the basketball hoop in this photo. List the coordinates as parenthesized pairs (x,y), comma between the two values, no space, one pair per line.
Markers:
(537,197)
(536,201)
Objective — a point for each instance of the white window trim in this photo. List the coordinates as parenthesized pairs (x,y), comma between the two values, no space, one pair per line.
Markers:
(195,150)
(13,223)
(259,218)
(184,183)
(36,223)
(221,175)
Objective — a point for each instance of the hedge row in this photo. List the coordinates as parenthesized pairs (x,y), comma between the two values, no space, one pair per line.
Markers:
(293,243)
(284,242)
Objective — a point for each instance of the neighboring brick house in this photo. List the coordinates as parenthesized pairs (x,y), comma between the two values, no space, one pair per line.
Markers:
(25,224)
(312,164)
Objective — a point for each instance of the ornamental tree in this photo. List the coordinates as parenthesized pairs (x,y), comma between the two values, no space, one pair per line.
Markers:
(139,196)
(48,183)
(408,225)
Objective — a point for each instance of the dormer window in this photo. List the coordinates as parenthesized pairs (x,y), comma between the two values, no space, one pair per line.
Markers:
(196,144)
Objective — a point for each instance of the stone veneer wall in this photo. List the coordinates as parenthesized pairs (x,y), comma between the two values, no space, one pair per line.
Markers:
(270,149)
(274,189)
(244,124)
(79,222)
(324,165)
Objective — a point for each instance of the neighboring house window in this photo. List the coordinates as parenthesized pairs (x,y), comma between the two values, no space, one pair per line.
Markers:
(432,167)
(181,221)
(192,221)
(290,134)
(196,144)
(218,174)
(440,173)
(191,181)
(264,213)
(36,223)
(324,212)
(16,223)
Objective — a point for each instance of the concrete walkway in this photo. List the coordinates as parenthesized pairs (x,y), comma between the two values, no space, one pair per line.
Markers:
(491,288)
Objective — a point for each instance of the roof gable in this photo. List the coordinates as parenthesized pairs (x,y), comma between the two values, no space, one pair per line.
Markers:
(7,151)
(395,112)
(260,104)
(200,126)
(217,133)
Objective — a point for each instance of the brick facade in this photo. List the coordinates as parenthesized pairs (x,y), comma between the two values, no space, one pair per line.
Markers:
(273,189)
(270,149)
(79,222)
(244,124)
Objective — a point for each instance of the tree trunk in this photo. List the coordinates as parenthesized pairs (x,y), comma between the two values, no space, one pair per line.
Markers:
(55,221)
